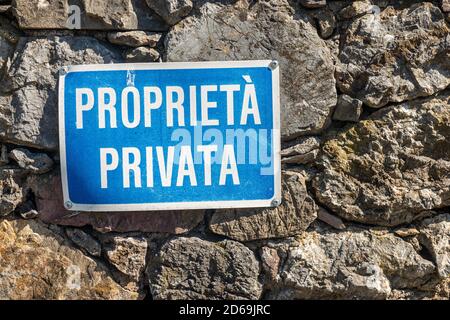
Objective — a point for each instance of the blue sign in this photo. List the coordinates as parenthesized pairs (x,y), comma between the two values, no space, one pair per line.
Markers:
(163,136)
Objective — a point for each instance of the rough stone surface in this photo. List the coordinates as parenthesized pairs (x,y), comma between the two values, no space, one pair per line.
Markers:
(94,15)
(313,3)
(391,168)
(85,241)
(266,29)
(117,13)
(27,210)
(326,22)
(192,268)
(270,263)
(172,11)
(445,5)
(435,236)
(134,38)
(4,8)
(406,232)
(293,216)
(8,38)
(33,162)
(349,265)
(3,155)
(396,55)
(347,109)
(38,14)
(142,54)
(127,254)
(49,200)
(38,263)
(6,49)
(330,219)
(29,102)
(303,150)
(11,191)
(356,9)
(8,31)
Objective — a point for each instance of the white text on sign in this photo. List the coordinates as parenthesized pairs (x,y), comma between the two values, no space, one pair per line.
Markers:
(144,105)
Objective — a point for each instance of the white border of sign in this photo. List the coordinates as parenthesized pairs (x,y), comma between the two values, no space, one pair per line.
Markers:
(274,201)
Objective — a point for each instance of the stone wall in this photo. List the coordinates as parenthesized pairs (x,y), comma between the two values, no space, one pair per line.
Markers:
(366,154)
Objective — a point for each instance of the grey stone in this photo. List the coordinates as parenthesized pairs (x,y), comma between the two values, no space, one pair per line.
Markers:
(305,150)
(6,49)
(134,38)
(270,261)
(11,190)
(37,262)
(354,264)
(395,56)
(28,106)
(34,162)
(126,253)
(328,218)
(94,15)
(4,8)
(391,168)
(148,20)
(85,241)
(142,54)
(8,39)
(36,14)
(309,157)
(296,212)
(406,232)
(356,9)
(445,4)
(8,32)
(266,29)
(172,11)
(27,210)
(435,236)
(313,3)
(114,14)
(347,109)
(192,268)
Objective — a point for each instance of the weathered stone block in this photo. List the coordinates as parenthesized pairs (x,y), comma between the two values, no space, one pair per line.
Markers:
(49,200)
(11,189)
(391,168)
(172,11)
(29,105)
(33,162)
(134,38)
(355,264)
(141,54)
(265,30)
(296,212)
(38,263)
(87,15)
(435,236)
(192,268)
